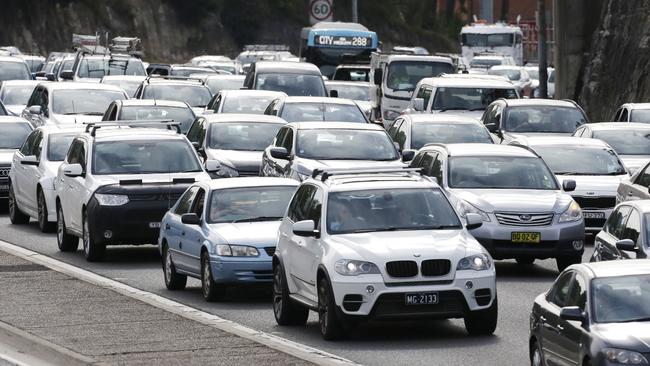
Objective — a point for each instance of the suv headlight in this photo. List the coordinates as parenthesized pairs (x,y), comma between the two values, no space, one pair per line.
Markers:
(226,172)
(226,250)
(464,208)
(477,262)
(624,357)
(573,213)
(350,267)
(112,199)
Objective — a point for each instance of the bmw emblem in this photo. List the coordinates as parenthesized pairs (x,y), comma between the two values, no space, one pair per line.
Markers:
(417,255)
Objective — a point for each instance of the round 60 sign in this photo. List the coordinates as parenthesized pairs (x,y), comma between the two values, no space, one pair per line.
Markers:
(320,10)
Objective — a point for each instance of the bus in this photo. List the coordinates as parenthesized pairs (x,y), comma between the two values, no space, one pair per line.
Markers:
(326,43)
(499,38)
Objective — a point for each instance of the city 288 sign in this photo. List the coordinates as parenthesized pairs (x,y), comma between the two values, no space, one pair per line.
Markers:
(320,11)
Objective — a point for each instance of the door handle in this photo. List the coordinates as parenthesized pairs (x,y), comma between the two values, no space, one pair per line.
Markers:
(630,194)
(542,318)
(559,328)
(284,235)
(183,233)
(167,227)
(180,245)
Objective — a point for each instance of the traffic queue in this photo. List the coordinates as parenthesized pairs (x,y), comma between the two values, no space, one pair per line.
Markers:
(264,171)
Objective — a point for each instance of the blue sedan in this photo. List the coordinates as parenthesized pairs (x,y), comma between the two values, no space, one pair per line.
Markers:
(224,232)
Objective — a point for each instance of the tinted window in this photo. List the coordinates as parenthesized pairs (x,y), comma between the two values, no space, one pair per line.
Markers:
(184,116)
(301,112)
(627,141)
(83,101)
(243,136)
(98,68)
(404,75)
(640,115)
(199,201)
(424,133)
(632,227)
(13,134)
(616,221)
(292,84)
(58,145)
(485,63)
(500,172)
(578,296)
(16,94)
(14,71)
(581,160)
(194,95)
(144,157)
(621,298)
(299,208)
(560,291)
(249,204)
(249,104)
(469,98)
(544,119)
(186,71)
(487,40)
(185,202)
(643,178)
(343,144)
(218,84)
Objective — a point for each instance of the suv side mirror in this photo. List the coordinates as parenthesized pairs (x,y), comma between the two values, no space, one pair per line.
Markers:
(569,185)
(377,76)
(334,93)
(49,76)
(279,153)
(626,244)
(473,221)
(418,104)
(196,145)
(29,160)
(35,109)
(67,75)
(190,219)
(212,166)
(408,155)
(73,170)
(305,228)
(572,313)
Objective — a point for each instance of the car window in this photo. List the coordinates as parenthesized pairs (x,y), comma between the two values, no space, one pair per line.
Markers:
(448,133)
(400,135)
(578,296)
(392,131)
(416,161)
(76,153)
(632,227)
(38,145)
(436,168)
(643,179)
(541,118)
(194,131)
(186,200)
(26,149)
(624,115)
(426,162)
(300,204)
(499,172)
(315,209)
(425,93)
(198,203)
(287,141)
(249,204)
(560,290)
(616,221)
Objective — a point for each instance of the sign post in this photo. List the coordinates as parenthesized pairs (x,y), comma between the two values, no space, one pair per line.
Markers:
(320,11)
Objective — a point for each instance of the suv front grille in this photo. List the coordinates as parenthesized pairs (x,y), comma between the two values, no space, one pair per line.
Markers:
(595,202)
(436,267)
(402,269)
(524,219)
(172,197)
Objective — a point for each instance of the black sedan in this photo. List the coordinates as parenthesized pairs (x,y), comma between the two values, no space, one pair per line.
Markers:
(594,314)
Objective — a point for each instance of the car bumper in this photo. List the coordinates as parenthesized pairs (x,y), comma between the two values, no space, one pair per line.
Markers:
(239,270)
(556,240)
(387,300)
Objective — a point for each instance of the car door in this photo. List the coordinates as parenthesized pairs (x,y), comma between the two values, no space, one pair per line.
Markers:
(638,189)
(605,242)
(77,191)
(402,135)
(173,228)
(550,340)
(20,177)
(193,236)
(32,174)
(298,211)
(65,186)
(283,167)
(571,333)
(632,230)
(307,255)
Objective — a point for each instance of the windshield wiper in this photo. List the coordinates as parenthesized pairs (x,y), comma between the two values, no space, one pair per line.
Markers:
(85,113)
(258,218)
(441,227)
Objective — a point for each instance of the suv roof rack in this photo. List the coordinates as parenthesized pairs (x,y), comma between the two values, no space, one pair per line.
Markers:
(92,127)
(326,173)
(172,77)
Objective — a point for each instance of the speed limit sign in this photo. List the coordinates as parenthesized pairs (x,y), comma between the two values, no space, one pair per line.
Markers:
(320,10)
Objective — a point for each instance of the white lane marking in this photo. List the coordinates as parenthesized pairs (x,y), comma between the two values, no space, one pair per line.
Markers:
(296,349)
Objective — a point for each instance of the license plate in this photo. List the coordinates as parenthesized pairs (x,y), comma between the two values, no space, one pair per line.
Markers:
(526,237)
(154,225)
(422,298)
(4,187)
(593,215)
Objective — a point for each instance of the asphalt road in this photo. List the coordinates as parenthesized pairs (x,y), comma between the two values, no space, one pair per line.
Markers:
(397,343)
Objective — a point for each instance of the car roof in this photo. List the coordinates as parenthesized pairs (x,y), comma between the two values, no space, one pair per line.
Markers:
(410,57)
(564,141)
(286,67)
(166,81)
(538,101)
(637,105)
(485,150)
(13,119)
(241,117)
(224,77)
(12,59)
(347,83)
(152,102)
(20,82)
(364,181)
(618,268)
(251,182)
(442,118)
(489,57)
(52,129)
(335,126)
(506,67)
(124,77)
(611,126)
(135,133)
(472,82)
(73,85)
(324,100)
(252,93)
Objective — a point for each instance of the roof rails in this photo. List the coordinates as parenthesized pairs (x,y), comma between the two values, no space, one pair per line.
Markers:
(128,45)
(172,77)
(326,173)
(92,127)
(266,47)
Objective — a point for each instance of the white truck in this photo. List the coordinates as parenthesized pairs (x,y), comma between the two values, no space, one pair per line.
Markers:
(499,38)
(394,77)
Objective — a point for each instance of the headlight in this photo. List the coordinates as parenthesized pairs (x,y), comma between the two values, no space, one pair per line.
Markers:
(391,115)
(573,213)
(226,172)
(111,199)
(478,262)
(624,357)
(464,208)
(349,267)
(226,250)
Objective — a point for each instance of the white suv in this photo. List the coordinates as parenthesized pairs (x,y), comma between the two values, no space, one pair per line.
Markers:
(116,183)
(379,244)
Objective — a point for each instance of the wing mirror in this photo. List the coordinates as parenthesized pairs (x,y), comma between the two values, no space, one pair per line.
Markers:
(572,313)
(190,219)
(35,109)
(49,76)
(66,75)
(29,160)
(626,244)
(279,153)
(418,104)
(473,221)
(408,155)
(569,185)
(305,228)
(334,93)
(212,166)
(73,170)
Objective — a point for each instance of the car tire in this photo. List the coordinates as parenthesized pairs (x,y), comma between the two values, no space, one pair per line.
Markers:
(173,280)
(536,355)
(330,324)
(564,262)
(93,251)
(43,224)
(286,311)
(483,322)
(525,261)
(65,241)
(211,290)
(15,215)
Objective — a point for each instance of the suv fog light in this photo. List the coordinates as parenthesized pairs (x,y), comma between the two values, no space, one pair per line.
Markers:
(370,289)
(108,234)
(469,285)
(578,244)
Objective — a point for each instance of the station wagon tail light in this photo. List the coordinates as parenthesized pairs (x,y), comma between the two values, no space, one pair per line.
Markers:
(624,357)
(226,250)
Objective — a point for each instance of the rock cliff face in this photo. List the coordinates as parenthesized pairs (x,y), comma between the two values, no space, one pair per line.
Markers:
(617,67)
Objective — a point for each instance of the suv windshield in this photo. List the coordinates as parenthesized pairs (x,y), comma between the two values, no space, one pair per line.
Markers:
(243,136)
(217,84)
(484,63)
(83,101)
(303,112)
(100,67)
(451,98)
(448,133)
(292,84)
(129,86)
(249,204)
(542,118)
(16,94)
(343,144)
(389,210)
(144,157)
(13,134)
(57,146)
(500,172)
(581,160)
(487,40)
(14,71)
(510,73)
(640,115)
(354,92)
(248,104)
(620,299)
(184,116)
(196,95)
(627,141)
(404,75)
